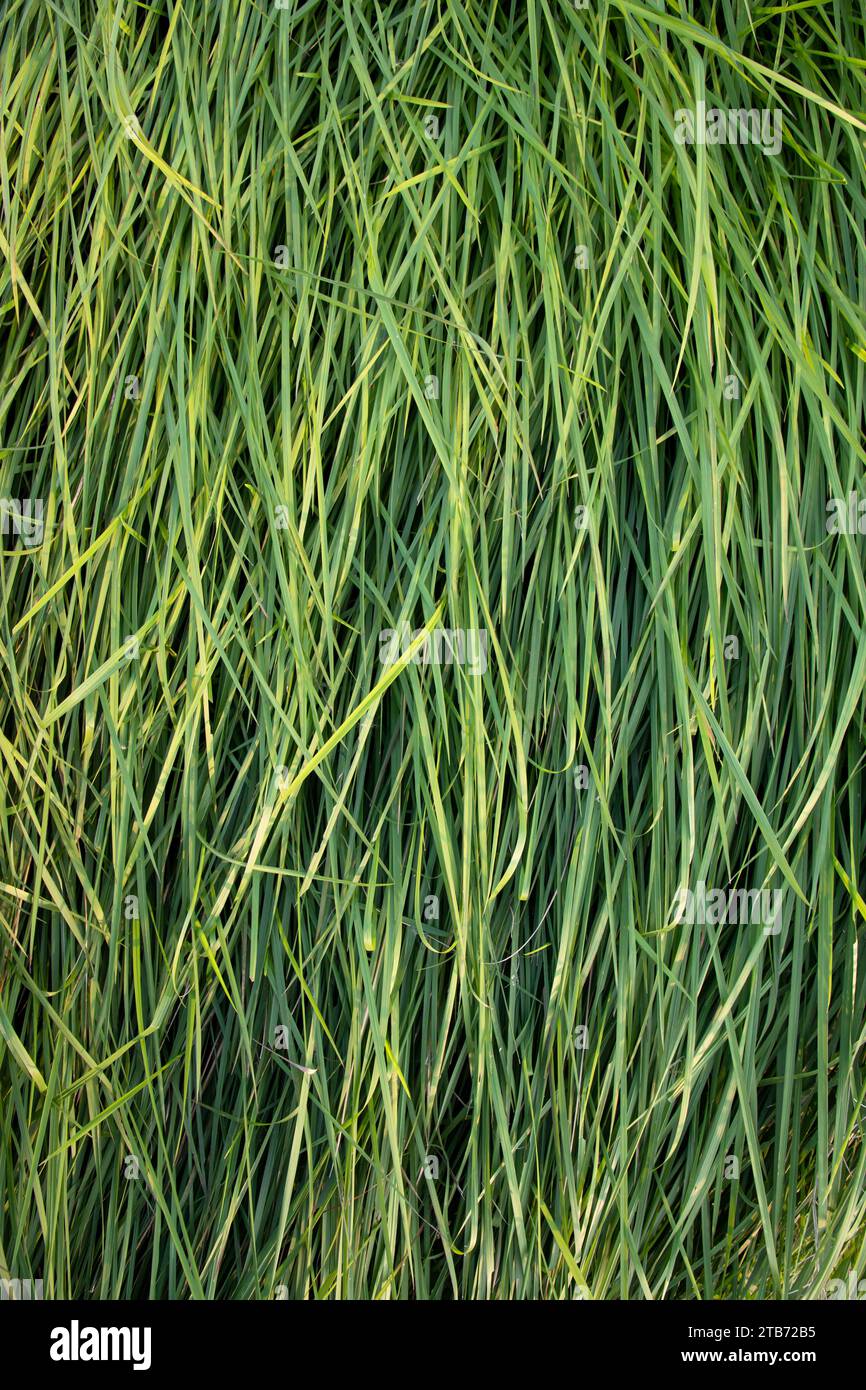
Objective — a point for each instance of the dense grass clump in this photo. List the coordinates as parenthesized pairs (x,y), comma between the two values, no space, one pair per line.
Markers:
(341,957)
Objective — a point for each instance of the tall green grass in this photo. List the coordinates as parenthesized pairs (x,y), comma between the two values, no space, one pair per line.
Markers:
(328,978)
